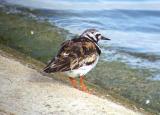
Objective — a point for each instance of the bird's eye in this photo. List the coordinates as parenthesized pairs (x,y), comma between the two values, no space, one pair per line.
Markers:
(97,35)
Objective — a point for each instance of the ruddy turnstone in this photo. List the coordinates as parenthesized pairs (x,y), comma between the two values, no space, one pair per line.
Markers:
(77,56)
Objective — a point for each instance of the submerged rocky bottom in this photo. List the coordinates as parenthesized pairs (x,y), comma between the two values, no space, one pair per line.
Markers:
(128,82)
(41,41)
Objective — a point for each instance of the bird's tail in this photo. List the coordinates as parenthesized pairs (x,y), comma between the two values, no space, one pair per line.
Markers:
(47,69)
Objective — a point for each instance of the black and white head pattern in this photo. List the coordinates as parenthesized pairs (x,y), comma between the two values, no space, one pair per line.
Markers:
(92,34)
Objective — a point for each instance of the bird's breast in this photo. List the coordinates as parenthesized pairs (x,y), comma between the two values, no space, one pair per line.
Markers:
(83,70)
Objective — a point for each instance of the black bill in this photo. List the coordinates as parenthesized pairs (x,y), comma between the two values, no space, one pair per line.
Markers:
(104,38)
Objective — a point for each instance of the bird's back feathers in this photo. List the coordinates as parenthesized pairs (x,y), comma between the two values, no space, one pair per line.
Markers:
(73,54)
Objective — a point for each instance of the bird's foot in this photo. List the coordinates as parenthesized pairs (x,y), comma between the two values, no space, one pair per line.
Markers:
(83,86)
(85,89)
(73,82)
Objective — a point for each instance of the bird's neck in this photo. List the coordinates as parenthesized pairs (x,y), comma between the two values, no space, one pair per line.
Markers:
(98,48)
(94,42)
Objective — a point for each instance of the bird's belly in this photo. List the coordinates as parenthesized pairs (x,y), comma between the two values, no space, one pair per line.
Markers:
(82,70)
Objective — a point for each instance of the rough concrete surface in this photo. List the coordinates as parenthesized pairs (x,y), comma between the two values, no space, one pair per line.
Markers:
(24,91)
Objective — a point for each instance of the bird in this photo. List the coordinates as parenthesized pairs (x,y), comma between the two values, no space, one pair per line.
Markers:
(76,57)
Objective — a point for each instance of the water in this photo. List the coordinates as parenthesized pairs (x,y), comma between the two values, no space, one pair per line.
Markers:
(135,34)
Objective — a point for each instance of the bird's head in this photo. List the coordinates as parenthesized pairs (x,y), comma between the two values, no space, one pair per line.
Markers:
(94,35)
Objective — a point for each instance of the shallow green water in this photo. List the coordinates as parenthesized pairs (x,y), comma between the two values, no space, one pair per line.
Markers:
(128,82)
(41,41)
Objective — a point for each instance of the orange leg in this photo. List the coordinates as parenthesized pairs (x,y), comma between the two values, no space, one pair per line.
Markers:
(82,85)
(73,82)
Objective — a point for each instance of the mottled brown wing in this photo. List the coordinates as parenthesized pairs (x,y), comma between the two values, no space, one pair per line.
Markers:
(72,55)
